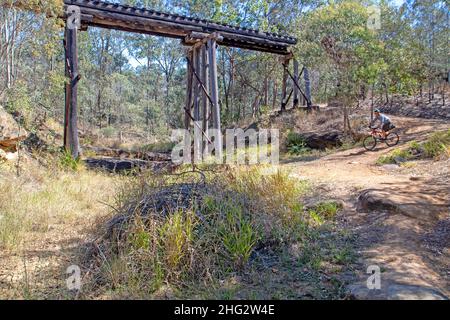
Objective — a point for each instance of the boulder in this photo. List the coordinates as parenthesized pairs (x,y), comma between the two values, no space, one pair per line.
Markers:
(10,132)
(395,291)
(8,156)
(322,141)
(408,200)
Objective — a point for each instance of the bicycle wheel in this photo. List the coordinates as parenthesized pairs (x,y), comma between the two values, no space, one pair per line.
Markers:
(369,143)
(392,139)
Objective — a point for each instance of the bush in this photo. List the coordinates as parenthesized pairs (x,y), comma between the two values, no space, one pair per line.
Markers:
(163,147)
(202,232)
(68,162)
(296,144)
(395,156)
(324,211)
(108,132)
(437,145)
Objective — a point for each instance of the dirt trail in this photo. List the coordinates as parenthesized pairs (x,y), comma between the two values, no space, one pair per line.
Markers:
(357,166)
(403,218)
(413,253)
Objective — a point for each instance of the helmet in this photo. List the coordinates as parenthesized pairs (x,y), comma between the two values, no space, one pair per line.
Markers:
(377,110)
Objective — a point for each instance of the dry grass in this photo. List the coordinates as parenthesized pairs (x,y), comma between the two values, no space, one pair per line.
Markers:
(436,147)
(39,198)
(45,214)
(195,246)
(181,236)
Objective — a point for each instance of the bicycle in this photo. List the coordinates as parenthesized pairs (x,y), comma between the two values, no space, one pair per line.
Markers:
(370,142)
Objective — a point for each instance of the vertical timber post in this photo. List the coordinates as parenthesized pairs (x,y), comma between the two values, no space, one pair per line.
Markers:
(196,84)
(197,100)
(284,84)
(71,142)
(187,108)
(205,101)
(296,78)
(214,88)
(307,88)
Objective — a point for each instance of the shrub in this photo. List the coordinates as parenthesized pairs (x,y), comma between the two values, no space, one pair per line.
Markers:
(395,156)
(296,144)
(436,146)
(68,162)
(324,211)
(108,132)
(203,232)
(163,146)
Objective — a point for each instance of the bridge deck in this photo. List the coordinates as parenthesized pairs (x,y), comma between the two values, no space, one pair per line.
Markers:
(121,17)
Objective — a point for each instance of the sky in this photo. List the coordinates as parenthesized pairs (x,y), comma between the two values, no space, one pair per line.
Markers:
(134,63)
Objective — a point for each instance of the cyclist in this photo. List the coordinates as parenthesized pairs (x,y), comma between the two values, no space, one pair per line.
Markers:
(384,123)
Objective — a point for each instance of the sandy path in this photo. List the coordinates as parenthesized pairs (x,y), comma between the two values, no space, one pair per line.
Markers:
(395,242)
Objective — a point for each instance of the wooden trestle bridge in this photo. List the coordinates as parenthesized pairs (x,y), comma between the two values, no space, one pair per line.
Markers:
(201,37)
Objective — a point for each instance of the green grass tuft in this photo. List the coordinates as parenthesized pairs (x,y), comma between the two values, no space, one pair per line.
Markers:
(437,146)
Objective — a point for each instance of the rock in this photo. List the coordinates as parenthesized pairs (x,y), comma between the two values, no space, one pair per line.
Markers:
(390,166)
(409,201)
(33,141)
(399,160)
(8,156)
(322,141)
(10,132)
(11,156)
(395,291)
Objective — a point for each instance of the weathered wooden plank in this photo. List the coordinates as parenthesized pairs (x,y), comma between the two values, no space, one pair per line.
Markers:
(295,83)
(214,88)
(99,14)
(184,21)
(307,88)
(189,79)
(196,84)
(284,85)
(71,142)
(296,100)
(205,80)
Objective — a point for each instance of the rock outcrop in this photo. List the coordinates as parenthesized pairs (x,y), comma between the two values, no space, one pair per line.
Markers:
(322,141)
(10,135)
(411,202)
(10,131)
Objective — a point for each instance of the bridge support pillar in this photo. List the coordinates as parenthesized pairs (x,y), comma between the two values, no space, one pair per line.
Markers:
(71,141)
(202,108)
